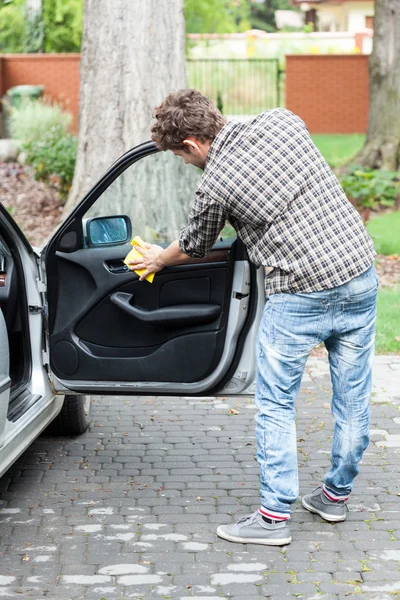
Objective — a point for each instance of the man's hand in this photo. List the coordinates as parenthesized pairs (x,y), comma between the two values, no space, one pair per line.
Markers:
(150,260)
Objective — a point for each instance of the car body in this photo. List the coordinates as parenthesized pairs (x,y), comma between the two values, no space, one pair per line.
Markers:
(77,322)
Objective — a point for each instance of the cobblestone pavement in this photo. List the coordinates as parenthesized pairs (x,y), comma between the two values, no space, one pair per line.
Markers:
(123,512)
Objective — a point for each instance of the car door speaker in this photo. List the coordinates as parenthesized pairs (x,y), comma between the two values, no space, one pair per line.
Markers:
(65,358)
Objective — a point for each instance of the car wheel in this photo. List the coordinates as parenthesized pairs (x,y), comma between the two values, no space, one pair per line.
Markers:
(74,417)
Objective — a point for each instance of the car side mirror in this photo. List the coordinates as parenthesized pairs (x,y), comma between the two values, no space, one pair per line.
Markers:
(107,231)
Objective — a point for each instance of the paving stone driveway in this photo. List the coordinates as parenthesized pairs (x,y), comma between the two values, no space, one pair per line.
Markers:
(123,512)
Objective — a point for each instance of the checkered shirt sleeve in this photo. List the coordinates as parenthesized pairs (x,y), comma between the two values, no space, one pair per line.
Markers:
(206,219)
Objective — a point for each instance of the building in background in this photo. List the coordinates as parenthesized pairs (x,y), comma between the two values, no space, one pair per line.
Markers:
(288,18)
(338,15)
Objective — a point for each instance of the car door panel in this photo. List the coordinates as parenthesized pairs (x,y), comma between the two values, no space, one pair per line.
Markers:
(176,332)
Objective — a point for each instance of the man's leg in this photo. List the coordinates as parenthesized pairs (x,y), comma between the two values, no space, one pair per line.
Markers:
(351,353)
(278,382)
(290,328)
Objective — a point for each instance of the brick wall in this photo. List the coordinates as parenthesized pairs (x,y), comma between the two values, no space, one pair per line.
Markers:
(59,73)
(329,92)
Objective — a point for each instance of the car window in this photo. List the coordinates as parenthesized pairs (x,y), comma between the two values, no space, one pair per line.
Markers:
(155,192)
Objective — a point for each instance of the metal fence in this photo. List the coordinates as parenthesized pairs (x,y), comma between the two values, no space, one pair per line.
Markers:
(238,86)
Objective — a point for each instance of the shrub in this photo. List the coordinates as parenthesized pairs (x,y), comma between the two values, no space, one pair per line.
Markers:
(12,25)
(368,189)
(53,159)
(31,121)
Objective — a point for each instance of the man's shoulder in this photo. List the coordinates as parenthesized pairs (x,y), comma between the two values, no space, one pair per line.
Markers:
(277,115)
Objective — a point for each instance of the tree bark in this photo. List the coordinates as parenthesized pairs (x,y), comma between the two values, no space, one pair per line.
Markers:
(382,146)
(133,55)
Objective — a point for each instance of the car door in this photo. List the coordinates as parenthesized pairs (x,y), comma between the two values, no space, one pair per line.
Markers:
(5,380)
(191,331)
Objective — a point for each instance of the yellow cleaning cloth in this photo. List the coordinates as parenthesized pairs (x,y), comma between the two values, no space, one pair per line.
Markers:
(135,254)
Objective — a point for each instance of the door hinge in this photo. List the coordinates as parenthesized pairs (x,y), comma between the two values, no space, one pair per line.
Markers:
(35,309)
(242,288)
(46,360)
(239,295)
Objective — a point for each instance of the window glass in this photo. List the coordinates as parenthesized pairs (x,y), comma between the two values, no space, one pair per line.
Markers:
(156,193)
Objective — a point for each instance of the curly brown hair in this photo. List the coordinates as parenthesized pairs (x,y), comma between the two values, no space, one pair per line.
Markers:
(182,114)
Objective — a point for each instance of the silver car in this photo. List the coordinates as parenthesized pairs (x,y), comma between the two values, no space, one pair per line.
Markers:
(76,322)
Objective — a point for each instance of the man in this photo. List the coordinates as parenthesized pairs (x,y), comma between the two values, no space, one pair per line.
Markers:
(269,180)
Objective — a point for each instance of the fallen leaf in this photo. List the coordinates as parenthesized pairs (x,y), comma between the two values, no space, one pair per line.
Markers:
(232,411)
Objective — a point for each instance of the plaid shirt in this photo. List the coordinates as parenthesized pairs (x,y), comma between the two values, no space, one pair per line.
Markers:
(267,178)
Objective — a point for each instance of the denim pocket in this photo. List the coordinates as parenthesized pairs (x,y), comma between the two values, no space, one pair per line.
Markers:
(360,317)
(295,324)
(362,287)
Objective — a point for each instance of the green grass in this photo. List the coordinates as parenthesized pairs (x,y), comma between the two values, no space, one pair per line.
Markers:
(385,231)
(338,149)
(388,321)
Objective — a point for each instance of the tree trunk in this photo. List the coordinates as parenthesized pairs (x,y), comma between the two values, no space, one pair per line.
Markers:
(382,146)
(133,55)
(34,26)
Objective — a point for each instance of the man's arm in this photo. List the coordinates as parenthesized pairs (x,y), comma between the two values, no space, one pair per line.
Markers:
(173,255)
(205,221)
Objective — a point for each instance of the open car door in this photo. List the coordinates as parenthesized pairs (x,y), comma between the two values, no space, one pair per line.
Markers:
(191,331)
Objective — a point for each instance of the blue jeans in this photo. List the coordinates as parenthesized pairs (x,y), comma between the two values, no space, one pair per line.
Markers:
(292,325)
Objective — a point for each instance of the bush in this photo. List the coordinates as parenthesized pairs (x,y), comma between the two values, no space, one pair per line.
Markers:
(368,189)
(12,27)
(53,159)
(63,25)
(31,121)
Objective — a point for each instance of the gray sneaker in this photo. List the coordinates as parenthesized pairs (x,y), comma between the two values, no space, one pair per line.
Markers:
(252,529)
(318,503)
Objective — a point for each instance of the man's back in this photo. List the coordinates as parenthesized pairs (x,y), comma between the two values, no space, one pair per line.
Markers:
(286,203)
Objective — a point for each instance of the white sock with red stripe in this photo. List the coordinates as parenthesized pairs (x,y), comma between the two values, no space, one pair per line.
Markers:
(272,515)
(333,497)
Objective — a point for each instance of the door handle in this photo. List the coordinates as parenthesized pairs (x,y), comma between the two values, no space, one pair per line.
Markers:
(116,266)
(169,316)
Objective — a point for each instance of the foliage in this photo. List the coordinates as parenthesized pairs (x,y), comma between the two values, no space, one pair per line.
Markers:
(263,14)
(388,321)
(371,189)
(58,30)
(63,25)
(12,26)
(216,16)
(53,159)
(384,230)
(30,121)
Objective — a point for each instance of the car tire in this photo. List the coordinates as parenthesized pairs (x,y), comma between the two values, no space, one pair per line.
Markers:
(74,417)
